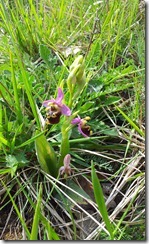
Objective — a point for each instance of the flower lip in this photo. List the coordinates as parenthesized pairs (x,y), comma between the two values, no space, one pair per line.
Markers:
(82,127)
(84,130)
(54,118)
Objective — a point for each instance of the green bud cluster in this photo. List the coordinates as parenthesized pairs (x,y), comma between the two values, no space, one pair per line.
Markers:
(77,77)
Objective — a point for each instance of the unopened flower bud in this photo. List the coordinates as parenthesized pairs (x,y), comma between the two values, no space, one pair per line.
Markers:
(78,60)
(66,169)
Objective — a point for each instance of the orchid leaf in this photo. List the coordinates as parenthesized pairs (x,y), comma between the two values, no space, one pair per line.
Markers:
(46,155)
(76,193)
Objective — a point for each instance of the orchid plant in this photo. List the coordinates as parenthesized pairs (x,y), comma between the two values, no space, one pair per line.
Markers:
(55,108)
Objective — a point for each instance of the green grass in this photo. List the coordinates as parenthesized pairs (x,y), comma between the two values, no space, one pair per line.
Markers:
(39,42)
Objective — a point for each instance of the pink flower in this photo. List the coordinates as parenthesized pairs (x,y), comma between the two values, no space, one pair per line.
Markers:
(66,169)
(82,127)
(55,108)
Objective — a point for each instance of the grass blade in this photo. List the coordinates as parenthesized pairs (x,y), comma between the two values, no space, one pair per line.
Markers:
(99,197)
(16,94)
(18,212)
(52,235)
(36,219)
(30,140)
(131,122)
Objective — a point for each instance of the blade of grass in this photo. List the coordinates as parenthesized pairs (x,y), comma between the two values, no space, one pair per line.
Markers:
(12,33)
(52,235)
(34,231)
(15,90)
(4,141)
(5,171)
(30,140)
(18,212)
(28,92)
(126,211)
(1,128)
(99,197)
(131,122)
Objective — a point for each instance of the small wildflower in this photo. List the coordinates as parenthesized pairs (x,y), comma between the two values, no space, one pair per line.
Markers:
(55,108)
(83,128)
(66,169)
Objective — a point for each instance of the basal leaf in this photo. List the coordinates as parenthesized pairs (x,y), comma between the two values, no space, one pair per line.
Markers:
(46,155)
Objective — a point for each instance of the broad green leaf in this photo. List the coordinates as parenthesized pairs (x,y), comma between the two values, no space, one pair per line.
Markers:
(46,155)
(78,199)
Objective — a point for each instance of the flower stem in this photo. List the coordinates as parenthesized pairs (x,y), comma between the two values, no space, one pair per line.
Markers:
(65,145)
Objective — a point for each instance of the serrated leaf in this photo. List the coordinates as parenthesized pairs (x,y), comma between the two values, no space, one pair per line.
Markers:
(11,161)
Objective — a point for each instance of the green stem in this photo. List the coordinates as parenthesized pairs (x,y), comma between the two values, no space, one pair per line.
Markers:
(65,145)
(70,100)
